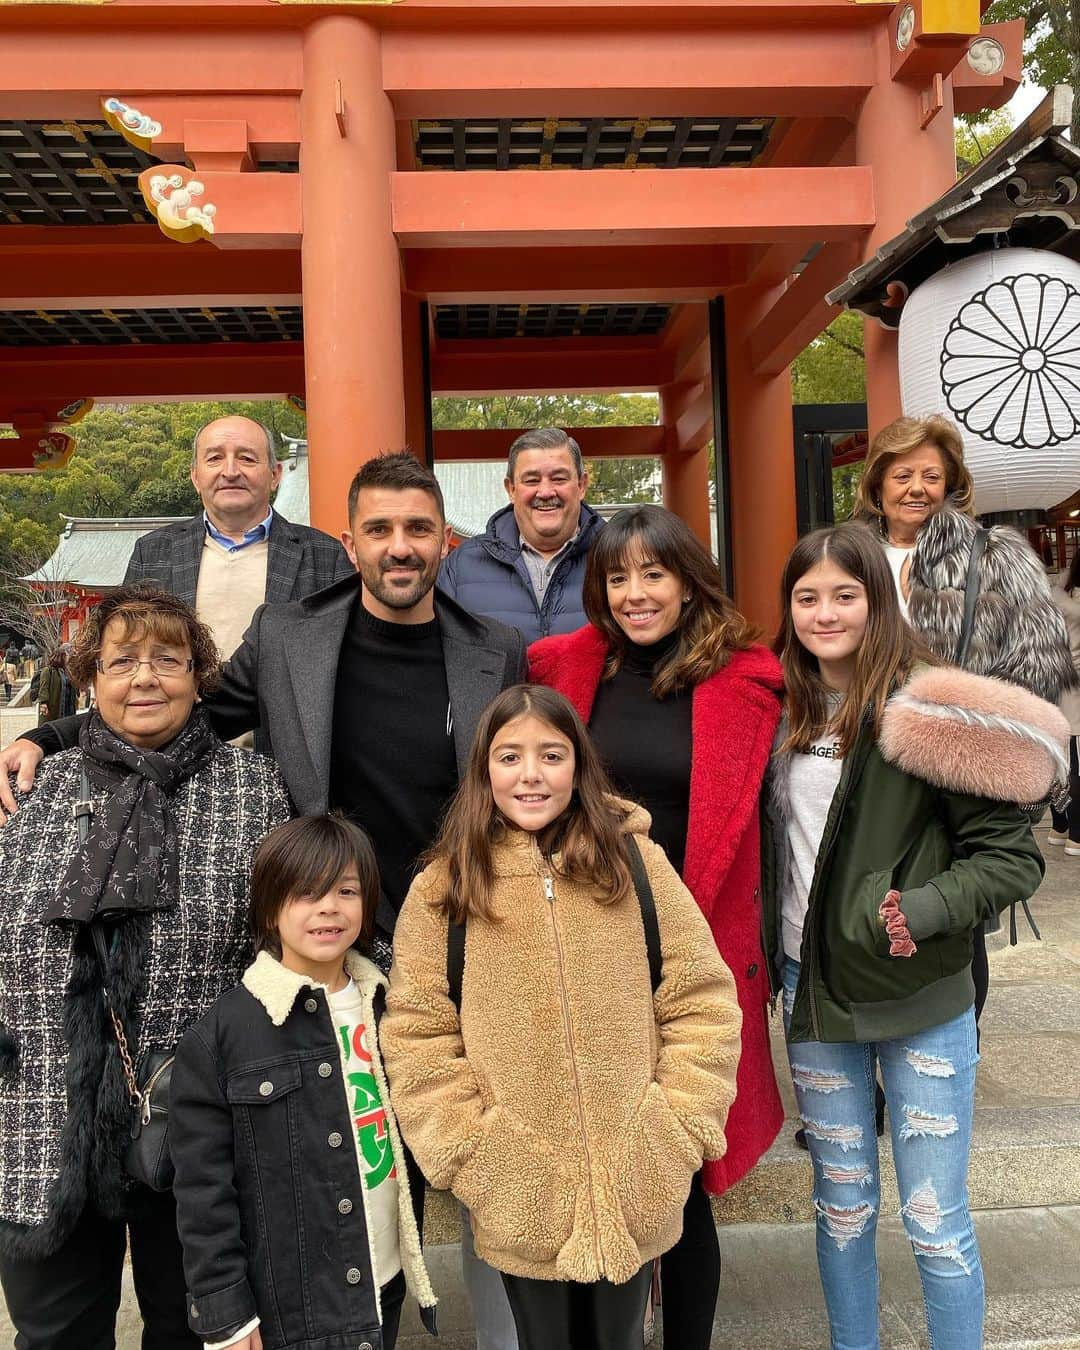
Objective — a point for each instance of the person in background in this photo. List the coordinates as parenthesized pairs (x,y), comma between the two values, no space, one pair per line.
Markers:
(56,694)
(280,1065)
(1065,830)
(891,835)
(682,706)
(528,567)
(162,879)
(566,1104)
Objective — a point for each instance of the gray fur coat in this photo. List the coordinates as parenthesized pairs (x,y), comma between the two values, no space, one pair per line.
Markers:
(1019,634)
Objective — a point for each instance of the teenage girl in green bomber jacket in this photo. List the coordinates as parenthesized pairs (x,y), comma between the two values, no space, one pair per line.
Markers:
(891,834)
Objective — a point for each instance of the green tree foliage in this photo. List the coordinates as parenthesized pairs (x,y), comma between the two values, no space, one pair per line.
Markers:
(613,480)
(978,134)
(1051,43)
(130,460)
(832,369)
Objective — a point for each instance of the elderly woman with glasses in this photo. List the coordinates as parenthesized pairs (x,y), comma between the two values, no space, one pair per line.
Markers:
(137,912)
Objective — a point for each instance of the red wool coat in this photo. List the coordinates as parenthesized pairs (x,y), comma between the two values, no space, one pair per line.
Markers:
(734,716)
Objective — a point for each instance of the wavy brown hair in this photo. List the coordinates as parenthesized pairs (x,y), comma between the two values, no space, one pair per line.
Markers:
(900,438)
(145,611)
(710,627)
(889,649)
(585,844)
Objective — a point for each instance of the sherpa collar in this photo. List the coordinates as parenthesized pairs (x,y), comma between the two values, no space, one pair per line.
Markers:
(277,988)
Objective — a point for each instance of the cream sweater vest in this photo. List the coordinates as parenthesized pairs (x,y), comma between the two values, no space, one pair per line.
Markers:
(231,587)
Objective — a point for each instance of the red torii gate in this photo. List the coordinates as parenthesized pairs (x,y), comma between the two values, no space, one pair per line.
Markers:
(286,139)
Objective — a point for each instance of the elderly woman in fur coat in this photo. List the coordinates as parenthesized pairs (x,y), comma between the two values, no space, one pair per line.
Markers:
(917,489)
(682,705)
(162,875)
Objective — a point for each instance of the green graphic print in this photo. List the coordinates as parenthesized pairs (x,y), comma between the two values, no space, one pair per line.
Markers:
(369,1117)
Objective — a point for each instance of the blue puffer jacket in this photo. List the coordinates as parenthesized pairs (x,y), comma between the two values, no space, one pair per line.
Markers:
(488,576)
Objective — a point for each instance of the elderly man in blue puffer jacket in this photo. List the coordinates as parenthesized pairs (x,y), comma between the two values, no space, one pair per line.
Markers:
(528,567)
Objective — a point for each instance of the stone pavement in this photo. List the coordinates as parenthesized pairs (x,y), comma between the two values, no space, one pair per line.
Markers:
(1024,1180)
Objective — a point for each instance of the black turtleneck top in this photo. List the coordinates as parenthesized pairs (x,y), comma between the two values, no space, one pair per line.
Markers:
(645,743)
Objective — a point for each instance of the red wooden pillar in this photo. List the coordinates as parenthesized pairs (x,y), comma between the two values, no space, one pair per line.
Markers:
(761,464)
(351,270)
(913,165)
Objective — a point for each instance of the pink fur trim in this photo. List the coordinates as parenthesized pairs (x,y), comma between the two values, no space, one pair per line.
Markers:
(998,762)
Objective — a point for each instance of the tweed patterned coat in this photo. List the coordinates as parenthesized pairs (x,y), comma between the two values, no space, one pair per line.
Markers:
(566,1109)
(734,716)
(63,1103)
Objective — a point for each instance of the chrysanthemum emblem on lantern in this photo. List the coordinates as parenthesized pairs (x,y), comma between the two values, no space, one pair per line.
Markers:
(994,342)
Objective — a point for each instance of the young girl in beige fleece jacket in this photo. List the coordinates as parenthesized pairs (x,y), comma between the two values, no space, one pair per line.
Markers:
(564,1106)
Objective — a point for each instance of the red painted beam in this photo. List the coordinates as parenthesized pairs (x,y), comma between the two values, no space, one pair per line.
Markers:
(135,266)
(252,210)
(558,275)
(596,443)
(147,374)
(640,206)
(572,365)
(801,312)
(669,69)
(181,60)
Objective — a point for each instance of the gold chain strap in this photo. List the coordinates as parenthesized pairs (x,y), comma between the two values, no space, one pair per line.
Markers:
(134,1095)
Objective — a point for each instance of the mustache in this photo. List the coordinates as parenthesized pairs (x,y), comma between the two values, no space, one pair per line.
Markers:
(396,564)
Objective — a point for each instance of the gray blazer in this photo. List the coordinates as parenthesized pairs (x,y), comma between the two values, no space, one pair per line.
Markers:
(282,678)
(300,560)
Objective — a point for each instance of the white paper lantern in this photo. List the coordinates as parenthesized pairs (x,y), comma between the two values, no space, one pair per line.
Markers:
(993,342)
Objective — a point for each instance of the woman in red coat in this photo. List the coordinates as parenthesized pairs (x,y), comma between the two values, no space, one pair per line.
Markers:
(682,706)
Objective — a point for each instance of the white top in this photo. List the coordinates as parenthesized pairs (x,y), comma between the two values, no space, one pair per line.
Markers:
(898,555)
(814,776)
(374,1152)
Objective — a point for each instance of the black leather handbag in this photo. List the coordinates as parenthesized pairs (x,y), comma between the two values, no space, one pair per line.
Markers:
(147,1158)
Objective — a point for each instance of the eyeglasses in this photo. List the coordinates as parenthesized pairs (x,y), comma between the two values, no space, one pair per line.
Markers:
(122,667)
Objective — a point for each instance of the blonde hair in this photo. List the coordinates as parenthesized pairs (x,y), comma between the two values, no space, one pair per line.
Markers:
(900,438)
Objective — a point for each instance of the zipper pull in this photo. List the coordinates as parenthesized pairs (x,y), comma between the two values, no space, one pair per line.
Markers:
(549,889)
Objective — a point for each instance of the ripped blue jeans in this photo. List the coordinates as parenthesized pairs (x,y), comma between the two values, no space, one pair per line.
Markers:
(929,1082)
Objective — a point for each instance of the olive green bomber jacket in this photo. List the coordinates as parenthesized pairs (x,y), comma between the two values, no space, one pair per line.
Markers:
(914,810)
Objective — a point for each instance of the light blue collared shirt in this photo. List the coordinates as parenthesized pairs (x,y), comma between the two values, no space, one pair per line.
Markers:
(253,536)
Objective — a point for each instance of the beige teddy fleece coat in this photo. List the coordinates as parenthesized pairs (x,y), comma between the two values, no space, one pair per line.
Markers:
(567,1110)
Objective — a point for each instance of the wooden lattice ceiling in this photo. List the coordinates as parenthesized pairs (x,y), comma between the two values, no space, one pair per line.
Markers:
(549,321)
(129,327)
(76,173)
(590,143)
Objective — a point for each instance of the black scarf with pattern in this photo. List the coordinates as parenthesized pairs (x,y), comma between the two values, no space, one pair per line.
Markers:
(129,863)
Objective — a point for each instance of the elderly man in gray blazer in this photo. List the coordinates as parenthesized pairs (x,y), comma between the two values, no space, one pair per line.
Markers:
(238,551)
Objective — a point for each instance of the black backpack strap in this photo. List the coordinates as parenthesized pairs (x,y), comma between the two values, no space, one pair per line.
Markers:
(648,911)
(971,593)
(455,960)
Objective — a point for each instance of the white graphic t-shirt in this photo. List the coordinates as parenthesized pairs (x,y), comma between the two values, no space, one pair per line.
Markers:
(370,1133)
(814,775)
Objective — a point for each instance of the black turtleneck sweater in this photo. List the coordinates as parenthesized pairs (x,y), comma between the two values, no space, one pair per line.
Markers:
(392,762)
(645,743)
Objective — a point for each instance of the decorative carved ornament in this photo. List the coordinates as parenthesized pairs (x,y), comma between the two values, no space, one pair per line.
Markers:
(1047,187)
(172,193)
(137,127)
(53,450)
(1010,367)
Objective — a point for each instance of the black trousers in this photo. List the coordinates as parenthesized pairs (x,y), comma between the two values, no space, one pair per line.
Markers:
(558,1315)
(70,1299)
(690,1276)
(392,1297)
(1068,822)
